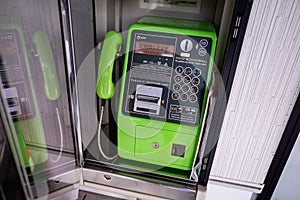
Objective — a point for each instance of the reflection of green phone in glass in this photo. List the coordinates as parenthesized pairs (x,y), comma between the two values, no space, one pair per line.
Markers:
(167,70)
(20,91)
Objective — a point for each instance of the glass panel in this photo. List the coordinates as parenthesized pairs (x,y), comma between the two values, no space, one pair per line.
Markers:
(35,93)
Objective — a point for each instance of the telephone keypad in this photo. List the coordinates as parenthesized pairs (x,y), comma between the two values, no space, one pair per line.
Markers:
(186,81)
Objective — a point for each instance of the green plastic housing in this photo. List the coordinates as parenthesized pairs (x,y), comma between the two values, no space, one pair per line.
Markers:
(136,135)
(105,87)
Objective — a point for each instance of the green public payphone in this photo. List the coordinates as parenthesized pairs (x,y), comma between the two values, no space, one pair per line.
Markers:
(167,70)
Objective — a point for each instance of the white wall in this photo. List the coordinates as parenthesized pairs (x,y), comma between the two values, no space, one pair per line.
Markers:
(264,90)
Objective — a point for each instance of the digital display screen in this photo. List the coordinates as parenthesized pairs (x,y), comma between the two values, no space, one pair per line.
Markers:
(155,49)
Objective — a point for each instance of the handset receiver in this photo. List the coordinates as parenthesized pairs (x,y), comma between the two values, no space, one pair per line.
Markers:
(105,86)
(44,51)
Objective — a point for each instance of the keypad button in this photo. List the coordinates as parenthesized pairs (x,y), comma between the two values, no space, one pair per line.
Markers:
(175,95)
(188,71)
(176,87)
(195,81)
(197,72)
(194,89)
(179,69)
(186,79)
(193,98)
(185,88)
(177,78)
(184,97)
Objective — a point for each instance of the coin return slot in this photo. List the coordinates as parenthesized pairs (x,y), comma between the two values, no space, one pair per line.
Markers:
(146,110)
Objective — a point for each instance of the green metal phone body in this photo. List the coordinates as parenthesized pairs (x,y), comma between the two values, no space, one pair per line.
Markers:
(167,71)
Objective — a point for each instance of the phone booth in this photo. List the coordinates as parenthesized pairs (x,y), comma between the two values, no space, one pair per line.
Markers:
(120,99)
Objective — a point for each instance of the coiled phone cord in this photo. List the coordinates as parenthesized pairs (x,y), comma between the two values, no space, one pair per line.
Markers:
(61,137)
(99,136)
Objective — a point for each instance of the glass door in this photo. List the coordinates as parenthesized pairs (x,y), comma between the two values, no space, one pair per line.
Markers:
(37,94)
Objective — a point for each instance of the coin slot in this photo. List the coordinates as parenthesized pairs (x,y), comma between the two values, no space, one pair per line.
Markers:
(147,98)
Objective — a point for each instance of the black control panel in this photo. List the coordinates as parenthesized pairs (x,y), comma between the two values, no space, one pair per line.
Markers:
(166,76)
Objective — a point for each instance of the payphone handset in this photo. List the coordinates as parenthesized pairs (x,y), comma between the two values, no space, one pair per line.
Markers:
(167,70)
(19,88)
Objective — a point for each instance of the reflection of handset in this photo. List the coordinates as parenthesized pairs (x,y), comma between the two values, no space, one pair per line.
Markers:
(51,82)
(19,85)
(43,48)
